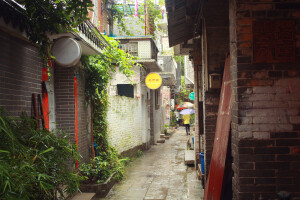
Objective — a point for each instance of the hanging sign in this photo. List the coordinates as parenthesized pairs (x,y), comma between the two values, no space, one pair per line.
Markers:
(153,81)
(192,96)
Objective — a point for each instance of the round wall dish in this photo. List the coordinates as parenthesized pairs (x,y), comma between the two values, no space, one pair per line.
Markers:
(67,51)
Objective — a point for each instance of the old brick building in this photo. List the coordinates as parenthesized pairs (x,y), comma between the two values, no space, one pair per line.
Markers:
(23,72)
(262,39)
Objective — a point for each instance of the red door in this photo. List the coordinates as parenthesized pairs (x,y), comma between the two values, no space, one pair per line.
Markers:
(213,187)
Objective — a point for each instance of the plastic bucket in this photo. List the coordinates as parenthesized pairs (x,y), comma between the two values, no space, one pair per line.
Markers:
(201,155)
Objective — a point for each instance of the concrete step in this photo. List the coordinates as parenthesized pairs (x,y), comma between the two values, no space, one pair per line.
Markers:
(160,141)
(189,157)
(199,167)
(83,196)
(199,173)
(162,135)
(167,137)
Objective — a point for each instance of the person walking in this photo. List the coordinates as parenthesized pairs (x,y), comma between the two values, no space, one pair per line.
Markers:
(186,122)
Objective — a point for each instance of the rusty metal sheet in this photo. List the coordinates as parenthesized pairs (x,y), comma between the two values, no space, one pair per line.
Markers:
(213,187)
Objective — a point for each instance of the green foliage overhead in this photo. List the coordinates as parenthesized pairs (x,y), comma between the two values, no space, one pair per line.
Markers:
(33,163)
(52,17)
(100,67)
(183,95)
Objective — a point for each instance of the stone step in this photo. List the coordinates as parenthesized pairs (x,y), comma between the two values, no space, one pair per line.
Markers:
(160,141)
(162,135)
(199,167)
(199,173)
(199,176)
(83,196)
(167,137)
(189,157)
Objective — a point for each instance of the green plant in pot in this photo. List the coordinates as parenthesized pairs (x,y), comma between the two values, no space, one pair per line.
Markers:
(103,166)
(166,127)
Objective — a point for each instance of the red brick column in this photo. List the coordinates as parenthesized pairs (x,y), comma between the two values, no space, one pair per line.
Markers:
(265,60)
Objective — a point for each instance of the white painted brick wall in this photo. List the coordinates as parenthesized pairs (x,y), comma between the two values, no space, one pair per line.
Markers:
(128,118)
(119,78)
(124,122)
(158,118)
(274,109)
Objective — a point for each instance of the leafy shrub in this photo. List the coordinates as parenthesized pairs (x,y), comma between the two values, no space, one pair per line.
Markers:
(166,129)
(33,163)
(173,119)
(139,153)
(103,166)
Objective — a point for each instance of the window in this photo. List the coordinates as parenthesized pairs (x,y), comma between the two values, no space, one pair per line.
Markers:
(131,48)
(126,90)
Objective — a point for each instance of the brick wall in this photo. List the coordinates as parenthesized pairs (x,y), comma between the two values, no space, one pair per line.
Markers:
(152,108)
(65,107)
(158,115)
(64,99)
(129,118)
(84,120)
(21,77)
(211,105)
(265,115)
(125,122)
(133,24)
(157,118)
(20,74)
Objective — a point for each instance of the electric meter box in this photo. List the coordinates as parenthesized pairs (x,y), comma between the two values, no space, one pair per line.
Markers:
(215,81)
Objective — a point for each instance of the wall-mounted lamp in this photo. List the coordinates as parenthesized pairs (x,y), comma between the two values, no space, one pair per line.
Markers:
(109,5)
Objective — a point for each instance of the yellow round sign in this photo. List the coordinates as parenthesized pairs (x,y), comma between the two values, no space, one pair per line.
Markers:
(153,81)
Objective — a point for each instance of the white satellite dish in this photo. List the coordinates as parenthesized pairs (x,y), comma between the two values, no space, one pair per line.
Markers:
(67,51)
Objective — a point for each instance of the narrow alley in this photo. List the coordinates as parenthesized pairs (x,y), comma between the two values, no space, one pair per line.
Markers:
(160,174)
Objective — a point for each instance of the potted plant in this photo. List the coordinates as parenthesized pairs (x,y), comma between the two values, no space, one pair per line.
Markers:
(102,172)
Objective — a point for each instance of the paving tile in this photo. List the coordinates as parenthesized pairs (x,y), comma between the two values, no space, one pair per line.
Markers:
(160,174)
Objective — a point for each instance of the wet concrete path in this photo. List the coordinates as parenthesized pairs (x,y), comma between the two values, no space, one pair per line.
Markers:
(160,174)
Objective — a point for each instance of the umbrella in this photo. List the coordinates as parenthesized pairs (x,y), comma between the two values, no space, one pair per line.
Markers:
(178,107)
(187,111)
(188,105)
(184,105)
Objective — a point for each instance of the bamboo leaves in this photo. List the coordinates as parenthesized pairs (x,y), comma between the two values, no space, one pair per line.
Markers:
(33,163)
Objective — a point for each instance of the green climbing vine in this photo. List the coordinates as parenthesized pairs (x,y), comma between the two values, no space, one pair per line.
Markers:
(118,16)
(52,17)
(154,14)
(99,69)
